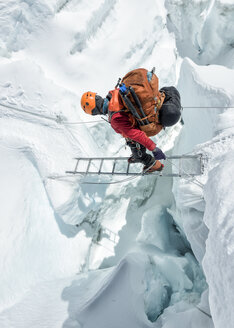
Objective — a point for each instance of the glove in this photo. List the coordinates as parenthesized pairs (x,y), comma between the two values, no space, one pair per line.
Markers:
(158,154)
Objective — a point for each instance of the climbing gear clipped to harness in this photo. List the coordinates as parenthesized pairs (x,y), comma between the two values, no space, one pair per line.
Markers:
(140,94)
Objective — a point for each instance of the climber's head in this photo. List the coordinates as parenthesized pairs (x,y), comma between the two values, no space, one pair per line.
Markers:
(169,115)
(92,103)
(170,112)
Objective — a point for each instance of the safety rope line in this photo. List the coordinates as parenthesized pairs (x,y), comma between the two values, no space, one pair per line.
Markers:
(87,122)
(201,310)
(56,119)
(55,177)
(112,182)
(207,107)
(196,182)
(60,120)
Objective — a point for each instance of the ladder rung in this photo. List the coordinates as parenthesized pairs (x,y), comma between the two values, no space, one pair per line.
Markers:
(180,164)
(100,168)
(128,168)
(113,169)
(90,160)
(76,165)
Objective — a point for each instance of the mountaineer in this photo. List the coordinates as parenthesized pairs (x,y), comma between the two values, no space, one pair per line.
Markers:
(138,110)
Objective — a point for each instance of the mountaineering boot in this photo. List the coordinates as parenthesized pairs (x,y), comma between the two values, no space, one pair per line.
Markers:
(132,159)
(139,154)
(153,166)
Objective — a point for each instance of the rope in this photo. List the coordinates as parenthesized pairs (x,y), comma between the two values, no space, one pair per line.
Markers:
(207,107)
(58,119)
(113,182)
(189,176)
(198,183)
(208,315)
(87,122)
(54,177)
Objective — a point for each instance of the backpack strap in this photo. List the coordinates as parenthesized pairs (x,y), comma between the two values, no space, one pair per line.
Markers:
(138,103)
(160,100)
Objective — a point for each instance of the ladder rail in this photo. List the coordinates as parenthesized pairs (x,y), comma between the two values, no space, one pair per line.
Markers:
(135,174)
(125,170)
(125,158)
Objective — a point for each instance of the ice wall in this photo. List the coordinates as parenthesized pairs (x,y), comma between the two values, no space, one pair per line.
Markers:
(207,36)
(210,131)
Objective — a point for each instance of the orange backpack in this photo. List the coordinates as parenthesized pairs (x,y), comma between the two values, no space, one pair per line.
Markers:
(145,87)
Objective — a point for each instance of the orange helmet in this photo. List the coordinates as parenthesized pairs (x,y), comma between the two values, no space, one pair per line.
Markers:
(88,102)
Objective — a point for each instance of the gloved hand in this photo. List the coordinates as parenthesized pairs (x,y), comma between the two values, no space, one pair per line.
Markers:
(158,154)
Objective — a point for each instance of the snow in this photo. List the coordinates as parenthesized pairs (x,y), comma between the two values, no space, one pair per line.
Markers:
(26,213)
(207,37)
(220,241)
(125,307)
(207,220)
(147,252)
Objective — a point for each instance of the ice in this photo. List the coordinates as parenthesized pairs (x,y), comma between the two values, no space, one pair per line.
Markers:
(219,219)
(32,235)
(206,37)
(111,297)
(121,255)
(201,216)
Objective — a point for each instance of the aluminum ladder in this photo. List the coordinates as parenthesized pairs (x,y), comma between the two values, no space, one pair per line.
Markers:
(184,165)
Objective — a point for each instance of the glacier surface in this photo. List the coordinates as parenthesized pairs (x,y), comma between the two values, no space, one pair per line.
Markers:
(170,261)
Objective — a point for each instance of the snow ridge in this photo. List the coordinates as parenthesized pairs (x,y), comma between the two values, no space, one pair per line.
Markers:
(93,25)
